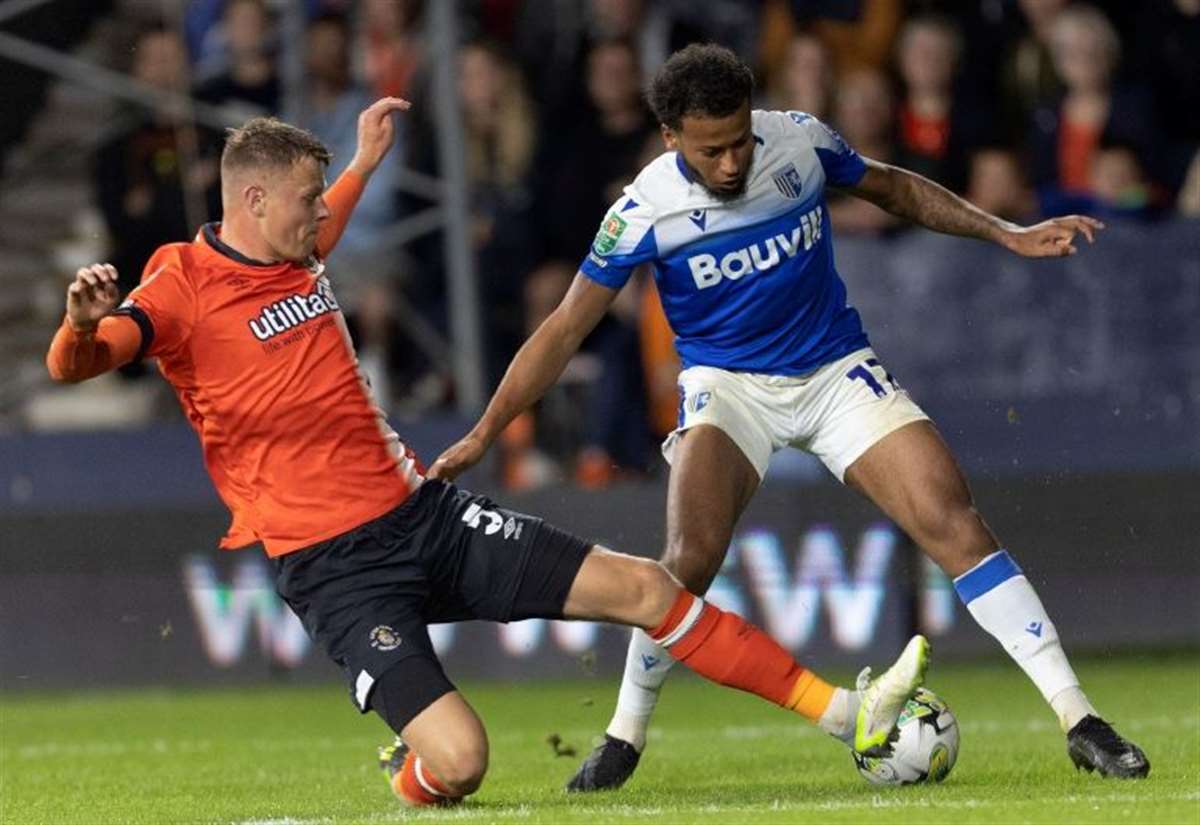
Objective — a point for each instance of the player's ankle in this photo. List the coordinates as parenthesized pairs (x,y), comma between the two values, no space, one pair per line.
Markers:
(629,728)
(1070,706)
(839,717)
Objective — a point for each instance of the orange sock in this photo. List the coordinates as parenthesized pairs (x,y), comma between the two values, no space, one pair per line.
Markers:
(727,649)
(417,786)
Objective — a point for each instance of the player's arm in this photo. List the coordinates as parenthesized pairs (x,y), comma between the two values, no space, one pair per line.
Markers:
(533,370)
(920,200)
(91,340)
(376,134)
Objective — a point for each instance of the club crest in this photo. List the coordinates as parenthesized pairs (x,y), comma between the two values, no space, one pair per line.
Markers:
(788,182)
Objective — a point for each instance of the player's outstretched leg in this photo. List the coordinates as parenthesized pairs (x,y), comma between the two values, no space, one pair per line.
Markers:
(614,760)
(726,649)
(1005,604)
(913,477)
(711,483)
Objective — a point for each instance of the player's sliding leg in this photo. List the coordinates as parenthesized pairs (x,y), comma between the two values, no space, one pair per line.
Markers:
(726,649)
(913,477)
(441,753)
(711,482)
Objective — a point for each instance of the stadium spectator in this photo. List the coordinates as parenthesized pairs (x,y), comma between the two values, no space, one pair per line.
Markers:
(864,112)
(997,184)
(142,174)
(804,81)
(1166,55)
(1028,78)
(1166,58)
(500,135)
(859,35)
(250,75)
(1118,188)
(391,44)
(367,267)
(1067,131)
(1119,183)
(587,164)
(552,41)
(501,142)
(935,128)
(585,172)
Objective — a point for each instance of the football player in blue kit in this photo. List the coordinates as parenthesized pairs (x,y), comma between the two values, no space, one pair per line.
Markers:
(733,220)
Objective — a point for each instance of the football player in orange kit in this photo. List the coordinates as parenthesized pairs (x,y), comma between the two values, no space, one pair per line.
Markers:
(366,550)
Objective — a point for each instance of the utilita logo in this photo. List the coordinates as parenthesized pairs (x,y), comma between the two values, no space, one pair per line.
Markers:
(294,310)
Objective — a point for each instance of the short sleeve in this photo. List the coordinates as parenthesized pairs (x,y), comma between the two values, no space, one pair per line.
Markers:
(625,240)
(163,305)
(843,166)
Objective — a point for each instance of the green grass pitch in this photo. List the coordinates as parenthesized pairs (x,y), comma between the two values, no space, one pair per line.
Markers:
(300,755)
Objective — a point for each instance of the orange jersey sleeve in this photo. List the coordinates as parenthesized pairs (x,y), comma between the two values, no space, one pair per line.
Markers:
(78,356)
(164,305)
(341,199)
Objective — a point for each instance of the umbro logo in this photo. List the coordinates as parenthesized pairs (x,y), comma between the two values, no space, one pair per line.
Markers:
(475,514)
(1034,628)
(238,282)
(699,217)
(648,662)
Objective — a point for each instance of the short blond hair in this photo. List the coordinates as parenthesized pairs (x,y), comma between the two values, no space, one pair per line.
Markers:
(267,142)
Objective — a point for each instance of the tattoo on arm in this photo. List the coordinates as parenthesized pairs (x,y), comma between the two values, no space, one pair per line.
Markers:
(923,201)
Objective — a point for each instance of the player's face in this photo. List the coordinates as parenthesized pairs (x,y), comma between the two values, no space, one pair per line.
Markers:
(294,207)
(717,150)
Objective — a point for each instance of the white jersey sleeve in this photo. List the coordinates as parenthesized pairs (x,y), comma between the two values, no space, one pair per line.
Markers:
(624,241)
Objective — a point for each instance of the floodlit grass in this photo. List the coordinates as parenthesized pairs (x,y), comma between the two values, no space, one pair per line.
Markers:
(302,755)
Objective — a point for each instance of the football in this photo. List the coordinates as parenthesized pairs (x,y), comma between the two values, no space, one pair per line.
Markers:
(925,750)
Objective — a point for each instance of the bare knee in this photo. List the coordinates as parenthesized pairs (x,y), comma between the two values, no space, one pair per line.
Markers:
(652,591)
(459,766)
(954,534)
(695,560)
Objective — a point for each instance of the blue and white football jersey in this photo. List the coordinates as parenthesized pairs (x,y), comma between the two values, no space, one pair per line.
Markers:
(747,285)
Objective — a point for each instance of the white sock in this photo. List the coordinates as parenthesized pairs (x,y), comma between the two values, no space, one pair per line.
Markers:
(646,667)
(1071,705)
(840,718)
(1005,604)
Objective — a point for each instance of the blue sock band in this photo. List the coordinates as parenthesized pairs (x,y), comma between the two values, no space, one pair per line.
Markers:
(992,571)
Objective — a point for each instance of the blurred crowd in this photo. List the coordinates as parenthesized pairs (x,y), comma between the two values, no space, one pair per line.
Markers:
(1029,108)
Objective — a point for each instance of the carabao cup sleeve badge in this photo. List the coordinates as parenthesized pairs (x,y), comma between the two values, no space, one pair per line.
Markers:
(610,232)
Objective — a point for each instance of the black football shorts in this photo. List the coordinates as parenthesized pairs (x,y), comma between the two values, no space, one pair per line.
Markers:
(444,555)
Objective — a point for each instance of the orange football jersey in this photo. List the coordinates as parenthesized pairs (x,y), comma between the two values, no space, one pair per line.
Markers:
(261,360)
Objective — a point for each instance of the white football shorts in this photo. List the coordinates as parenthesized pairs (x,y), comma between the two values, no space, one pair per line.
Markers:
(837,412)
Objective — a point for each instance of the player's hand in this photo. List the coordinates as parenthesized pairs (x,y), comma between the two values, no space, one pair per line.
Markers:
(1053,238)
(376,133)
(91,296)
(458,458)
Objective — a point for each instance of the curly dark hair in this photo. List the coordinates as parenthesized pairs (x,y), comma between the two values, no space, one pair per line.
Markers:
(702,79)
